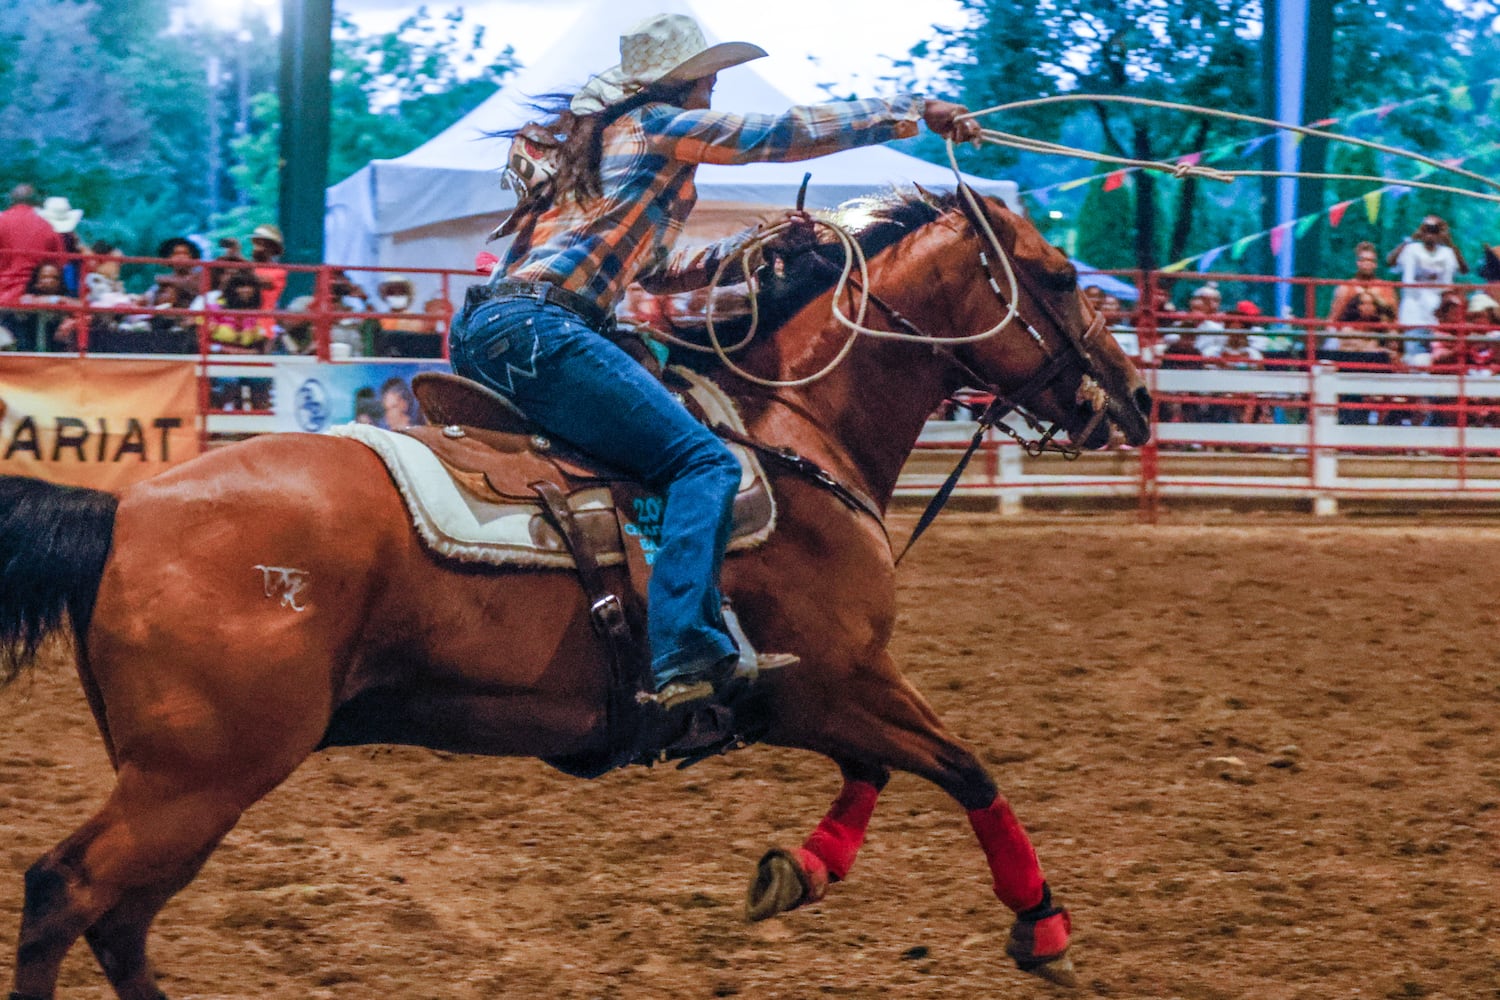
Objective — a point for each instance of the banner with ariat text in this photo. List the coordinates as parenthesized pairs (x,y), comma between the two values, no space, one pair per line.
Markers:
(103,423)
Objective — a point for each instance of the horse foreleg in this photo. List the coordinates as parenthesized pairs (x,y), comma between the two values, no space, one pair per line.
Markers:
(879,716)
(786,879)
(109,880)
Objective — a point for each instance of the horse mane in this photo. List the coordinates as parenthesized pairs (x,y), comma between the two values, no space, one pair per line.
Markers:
(875,222)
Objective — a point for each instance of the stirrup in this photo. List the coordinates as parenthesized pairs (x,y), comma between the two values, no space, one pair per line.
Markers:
(677,694)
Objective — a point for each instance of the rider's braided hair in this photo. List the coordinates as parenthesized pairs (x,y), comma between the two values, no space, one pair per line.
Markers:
(579,148)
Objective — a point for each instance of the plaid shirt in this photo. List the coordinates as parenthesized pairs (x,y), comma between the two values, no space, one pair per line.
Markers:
(650,155)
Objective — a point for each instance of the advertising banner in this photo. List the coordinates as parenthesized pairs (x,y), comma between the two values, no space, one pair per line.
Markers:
(103,423)
(307,396)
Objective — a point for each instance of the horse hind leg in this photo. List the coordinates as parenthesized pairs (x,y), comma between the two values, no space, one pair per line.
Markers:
(880,716)
(110,879)
(788,878)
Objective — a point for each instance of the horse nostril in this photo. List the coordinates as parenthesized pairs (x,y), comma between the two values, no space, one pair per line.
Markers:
(1143,401)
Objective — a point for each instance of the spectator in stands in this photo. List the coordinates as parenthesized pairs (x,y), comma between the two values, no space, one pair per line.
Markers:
(266,248)
(26,239)
(49,330)
(400,296)
(233,327)
(184,281)
(1204,308)
(231,255)
(1183,353)
(1364,325)
(1428,258)
(64,219)
(1094,294)
(1366,261)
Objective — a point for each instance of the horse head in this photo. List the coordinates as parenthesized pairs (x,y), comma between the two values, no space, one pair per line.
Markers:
(1053,359)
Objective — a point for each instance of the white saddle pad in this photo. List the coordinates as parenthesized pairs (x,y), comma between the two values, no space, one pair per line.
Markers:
(457,524)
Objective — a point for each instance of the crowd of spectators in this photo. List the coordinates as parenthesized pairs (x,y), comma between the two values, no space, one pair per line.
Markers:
(1414,318)
(230,304)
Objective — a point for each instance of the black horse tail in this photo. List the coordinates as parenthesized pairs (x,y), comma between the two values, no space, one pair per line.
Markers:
(53,544)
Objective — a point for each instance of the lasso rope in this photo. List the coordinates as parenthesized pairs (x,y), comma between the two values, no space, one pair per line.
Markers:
(1213,173)
(750,254)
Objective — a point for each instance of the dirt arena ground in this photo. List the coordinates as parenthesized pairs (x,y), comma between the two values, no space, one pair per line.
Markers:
(1258,762)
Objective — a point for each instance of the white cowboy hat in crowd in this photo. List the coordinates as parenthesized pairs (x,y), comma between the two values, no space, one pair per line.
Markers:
(60,215)
(667,48)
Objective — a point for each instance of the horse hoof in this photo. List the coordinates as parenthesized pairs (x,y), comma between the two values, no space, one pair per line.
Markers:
(784,880)
(1059,971)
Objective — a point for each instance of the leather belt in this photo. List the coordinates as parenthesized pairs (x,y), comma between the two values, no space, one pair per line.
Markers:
(545,292)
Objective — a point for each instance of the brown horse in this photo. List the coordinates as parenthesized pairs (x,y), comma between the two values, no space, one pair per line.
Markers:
(209,688)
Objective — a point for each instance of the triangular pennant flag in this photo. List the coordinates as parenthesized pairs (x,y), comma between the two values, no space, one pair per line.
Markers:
(1321,122)
(1384,110)
(1237,250)
(1070,185)
(1221,153)
(1398,190)
(1336,213)
(1256,143)
(1206,262)
(1180,265)
(1191,159)
(1304,224)
(1372,205)
(1278,237)
(1115,180)
(1297,138)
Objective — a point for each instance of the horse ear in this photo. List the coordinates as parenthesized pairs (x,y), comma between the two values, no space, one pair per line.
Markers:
(926,195)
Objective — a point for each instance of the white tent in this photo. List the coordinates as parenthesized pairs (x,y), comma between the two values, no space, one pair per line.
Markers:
(434,206)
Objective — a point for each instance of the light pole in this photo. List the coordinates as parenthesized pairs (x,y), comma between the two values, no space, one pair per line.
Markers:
(304,88)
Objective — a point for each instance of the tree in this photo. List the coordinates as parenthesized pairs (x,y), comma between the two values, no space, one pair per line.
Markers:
(391,93)
(1203,52)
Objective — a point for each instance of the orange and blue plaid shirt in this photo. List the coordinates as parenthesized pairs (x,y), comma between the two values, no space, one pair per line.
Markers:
(598,247)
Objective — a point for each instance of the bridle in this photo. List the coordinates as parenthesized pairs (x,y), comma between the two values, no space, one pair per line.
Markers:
(1076,355)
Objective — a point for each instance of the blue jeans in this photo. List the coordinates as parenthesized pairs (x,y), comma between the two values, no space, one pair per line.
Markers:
(582,389)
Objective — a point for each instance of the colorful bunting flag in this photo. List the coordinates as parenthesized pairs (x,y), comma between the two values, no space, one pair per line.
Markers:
(1077,183)
(1206,262)
(1256,143)
(1336,213)
(1278,236)
(1397,190)
(1114,181)
(1238,248)
(1180,265)
(1321,122)
(1372,205)
(1304,224)
(1191,159)
(1384,110)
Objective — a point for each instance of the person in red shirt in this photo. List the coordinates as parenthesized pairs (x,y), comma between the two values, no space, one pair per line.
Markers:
(26,240)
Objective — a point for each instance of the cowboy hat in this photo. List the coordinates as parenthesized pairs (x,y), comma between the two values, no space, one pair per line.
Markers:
(268,234)
(667,48)
(60,215)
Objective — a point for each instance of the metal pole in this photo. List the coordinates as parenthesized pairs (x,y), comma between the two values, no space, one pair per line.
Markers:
(306,62)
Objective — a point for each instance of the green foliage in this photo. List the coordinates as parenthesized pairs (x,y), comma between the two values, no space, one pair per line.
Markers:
(1208,52)
(113,106)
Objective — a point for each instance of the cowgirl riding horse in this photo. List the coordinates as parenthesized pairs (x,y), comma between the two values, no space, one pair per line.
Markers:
(606,185)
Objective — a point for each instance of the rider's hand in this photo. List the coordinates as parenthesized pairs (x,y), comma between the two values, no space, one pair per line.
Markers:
(797,238)
(941,116)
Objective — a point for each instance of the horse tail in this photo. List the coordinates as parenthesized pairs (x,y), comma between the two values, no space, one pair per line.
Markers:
(54,541)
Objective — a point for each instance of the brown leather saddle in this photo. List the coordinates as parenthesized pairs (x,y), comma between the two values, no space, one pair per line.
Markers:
(495,454)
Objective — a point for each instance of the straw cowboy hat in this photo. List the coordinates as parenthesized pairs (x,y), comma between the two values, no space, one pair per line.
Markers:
(268,234)
(667,48)
(60,215)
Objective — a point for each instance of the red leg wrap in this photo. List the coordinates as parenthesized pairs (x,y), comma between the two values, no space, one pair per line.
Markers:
(838,837)
(1013,863)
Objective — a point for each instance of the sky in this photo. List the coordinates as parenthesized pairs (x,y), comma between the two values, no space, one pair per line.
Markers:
(840,42)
